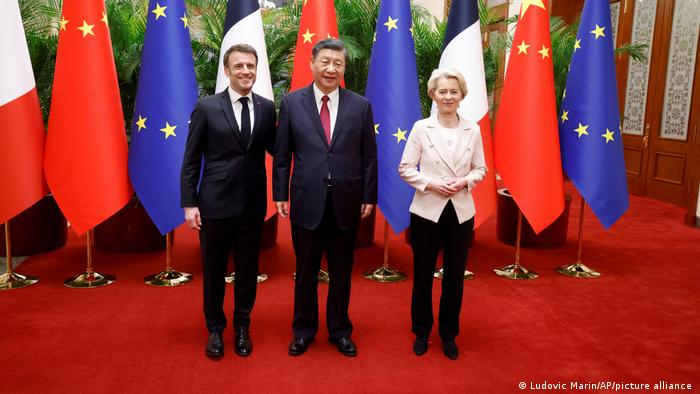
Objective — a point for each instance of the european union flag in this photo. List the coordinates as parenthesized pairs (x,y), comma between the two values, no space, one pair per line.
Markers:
(166,95)
(392,88)
(589,123)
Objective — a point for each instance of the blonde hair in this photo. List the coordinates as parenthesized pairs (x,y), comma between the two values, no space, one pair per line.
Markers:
(446,73)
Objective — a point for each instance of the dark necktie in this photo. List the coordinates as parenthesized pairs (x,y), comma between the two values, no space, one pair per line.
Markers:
(245,121)
(326,118)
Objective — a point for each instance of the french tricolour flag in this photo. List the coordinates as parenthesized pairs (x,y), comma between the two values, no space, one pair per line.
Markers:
(243,25)
(463,51)
(21,127)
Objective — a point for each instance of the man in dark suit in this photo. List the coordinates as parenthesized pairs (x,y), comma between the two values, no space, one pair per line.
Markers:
(229,134)
(329,132)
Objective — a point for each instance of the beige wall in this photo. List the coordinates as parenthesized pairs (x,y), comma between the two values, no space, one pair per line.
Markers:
(436,7)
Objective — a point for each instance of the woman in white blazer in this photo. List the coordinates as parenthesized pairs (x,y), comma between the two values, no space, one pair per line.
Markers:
(443,160)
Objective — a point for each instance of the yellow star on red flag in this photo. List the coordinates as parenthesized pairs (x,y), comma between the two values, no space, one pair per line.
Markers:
(307,36)
(86,29)
(522,48)
(528,3)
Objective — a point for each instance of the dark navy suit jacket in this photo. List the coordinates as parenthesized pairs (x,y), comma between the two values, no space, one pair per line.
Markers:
(350,159)
(233,178)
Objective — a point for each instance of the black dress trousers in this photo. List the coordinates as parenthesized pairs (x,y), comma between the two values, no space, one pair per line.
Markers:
(219,238)
(309,246)
(426,239)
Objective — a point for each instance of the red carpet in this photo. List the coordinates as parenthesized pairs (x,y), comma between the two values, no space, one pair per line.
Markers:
(638,323)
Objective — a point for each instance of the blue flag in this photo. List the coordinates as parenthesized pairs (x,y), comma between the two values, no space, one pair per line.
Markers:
(166,95)
(589,123)
(392,88)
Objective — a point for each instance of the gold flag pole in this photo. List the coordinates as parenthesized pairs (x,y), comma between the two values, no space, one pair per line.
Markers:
(90,278)
(169,276)
(515,270)
(10,279)
(384,273)
(578,269)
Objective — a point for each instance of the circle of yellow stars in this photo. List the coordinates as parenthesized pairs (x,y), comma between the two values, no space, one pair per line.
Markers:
(582,129)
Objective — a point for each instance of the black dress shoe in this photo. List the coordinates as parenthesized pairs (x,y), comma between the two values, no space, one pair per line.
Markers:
(299,346)
(449,347)
(345,346)
(420,346)
(215,345)
(243,344)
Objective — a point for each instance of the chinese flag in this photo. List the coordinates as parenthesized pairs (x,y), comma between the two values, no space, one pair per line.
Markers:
(317,23)
(21,127)
(526,138)
(86,151)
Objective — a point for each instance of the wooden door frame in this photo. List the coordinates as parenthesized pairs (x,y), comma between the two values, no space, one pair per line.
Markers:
(694,121)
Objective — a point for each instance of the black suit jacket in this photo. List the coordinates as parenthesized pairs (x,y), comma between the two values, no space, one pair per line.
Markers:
(350,159)
(233,178)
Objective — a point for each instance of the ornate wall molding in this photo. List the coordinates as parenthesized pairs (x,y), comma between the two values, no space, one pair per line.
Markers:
(638,74)
(615,19)
(681,70)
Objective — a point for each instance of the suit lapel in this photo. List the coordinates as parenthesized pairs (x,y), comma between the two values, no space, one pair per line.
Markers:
(309,104)
(466,133)
(227,107)
(343,109)
(257,114)
(438,143)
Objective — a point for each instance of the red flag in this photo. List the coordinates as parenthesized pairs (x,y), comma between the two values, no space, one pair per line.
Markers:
(317,23)
(21,127)
(526,137)
(86,150)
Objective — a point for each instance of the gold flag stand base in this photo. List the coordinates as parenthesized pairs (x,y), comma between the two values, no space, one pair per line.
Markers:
(578,270)
(516,271)
(13,280)
(385,274)
(232,278)
(439,273)
(168,277)
(323,277)
(89,279)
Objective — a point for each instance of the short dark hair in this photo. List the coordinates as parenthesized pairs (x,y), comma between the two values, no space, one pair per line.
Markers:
(245,48)
(329,43)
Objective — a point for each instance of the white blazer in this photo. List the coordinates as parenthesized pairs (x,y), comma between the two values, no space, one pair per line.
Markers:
(426,149)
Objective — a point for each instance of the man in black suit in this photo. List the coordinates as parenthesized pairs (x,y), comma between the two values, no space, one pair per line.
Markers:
(329,132)
(229,134)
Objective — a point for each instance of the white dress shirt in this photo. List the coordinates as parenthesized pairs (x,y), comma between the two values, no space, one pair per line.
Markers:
(238,107)
(333,97)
